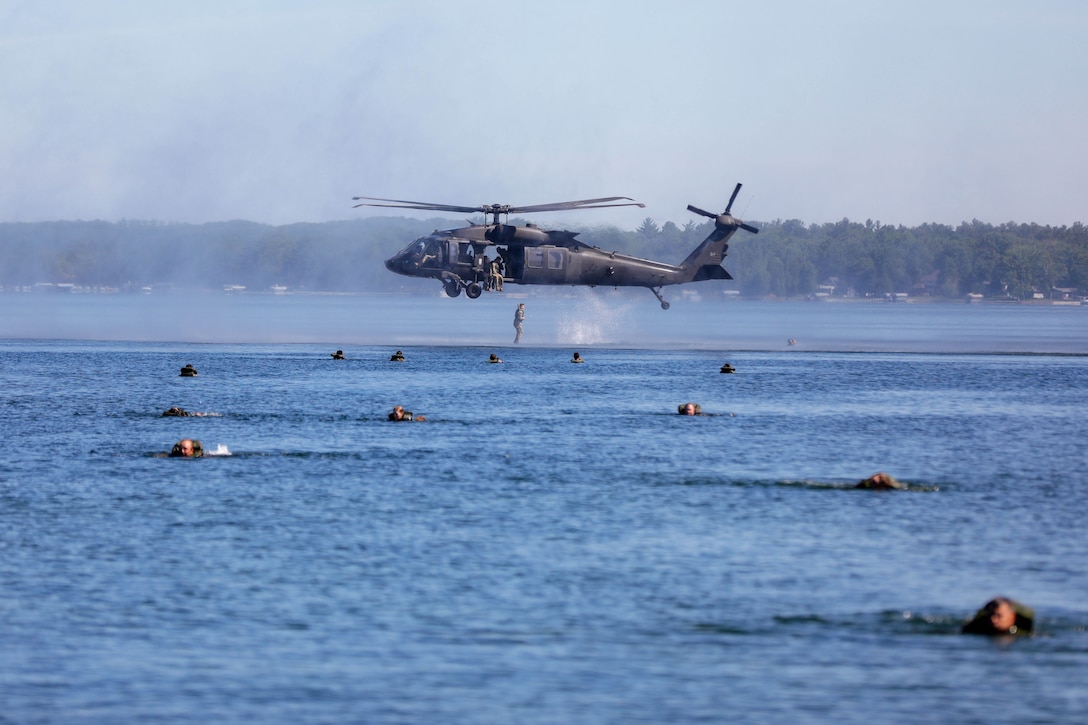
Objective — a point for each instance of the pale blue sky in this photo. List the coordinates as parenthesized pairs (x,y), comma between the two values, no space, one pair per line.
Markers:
(902,112)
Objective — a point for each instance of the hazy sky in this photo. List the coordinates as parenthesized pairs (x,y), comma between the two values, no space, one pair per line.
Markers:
(898,111)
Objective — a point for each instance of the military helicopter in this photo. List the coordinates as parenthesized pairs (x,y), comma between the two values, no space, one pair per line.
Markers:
(531,255)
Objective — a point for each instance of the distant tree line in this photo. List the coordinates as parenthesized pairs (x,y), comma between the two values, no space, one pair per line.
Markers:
(786,259)
(344,256)
(789,259)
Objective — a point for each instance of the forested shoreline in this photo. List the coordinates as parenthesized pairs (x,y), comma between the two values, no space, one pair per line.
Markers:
(787,259)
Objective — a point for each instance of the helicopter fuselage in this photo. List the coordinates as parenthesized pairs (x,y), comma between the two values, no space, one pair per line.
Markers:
(461,252)
(463,259)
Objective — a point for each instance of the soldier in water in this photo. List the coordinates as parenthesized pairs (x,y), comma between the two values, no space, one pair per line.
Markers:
(187,448)
(399,414)
(177,412)
(1001,616)
(519,317)
(880,481)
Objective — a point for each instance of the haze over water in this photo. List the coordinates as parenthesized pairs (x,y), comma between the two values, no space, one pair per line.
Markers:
(581,317)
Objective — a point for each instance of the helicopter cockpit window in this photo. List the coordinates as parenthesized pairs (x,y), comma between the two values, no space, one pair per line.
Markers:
(534,258)
(555,259)
(432,254)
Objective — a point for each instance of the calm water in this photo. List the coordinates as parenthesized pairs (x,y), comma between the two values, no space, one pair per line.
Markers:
(555,544)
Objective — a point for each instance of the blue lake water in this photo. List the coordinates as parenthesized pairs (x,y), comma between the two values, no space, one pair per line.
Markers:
(555,544)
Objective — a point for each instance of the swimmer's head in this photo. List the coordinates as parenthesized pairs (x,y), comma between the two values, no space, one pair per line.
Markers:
(186,448)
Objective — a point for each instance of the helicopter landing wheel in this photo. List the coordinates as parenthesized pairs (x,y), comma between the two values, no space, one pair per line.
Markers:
(452,288)
(664,305)
(473,290)
(657,294)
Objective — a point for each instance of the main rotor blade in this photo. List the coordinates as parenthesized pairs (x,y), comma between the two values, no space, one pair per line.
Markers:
(422,205)
(495,208)
(582,204)
(436,207)
(732,199)
(748,228)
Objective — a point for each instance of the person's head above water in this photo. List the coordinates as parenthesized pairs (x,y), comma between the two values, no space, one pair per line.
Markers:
(187,448)
(880,481)
(399,413)
(689,409)
(1001,615)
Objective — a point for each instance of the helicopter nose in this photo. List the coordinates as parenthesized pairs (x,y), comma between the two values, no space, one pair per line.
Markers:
(390,264)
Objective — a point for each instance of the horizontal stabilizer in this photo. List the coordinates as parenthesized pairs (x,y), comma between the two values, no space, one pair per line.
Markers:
(711,271)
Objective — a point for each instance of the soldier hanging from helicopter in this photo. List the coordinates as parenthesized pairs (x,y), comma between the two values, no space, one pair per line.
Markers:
(496,271)
(482,272)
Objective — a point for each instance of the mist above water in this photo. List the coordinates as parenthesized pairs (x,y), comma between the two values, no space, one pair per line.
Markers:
(576,317)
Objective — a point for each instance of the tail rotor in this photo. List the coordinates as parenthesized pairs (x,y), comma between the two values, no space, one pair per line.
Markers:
(725,221)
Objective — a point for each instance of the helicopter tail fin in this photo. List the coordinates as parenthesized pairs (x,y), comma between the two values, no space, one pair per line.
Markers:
(705,261)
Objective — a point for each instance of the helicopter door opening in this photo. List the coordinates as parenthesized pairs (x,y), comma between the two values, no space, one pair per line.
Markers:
(465,253)
(515,262)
